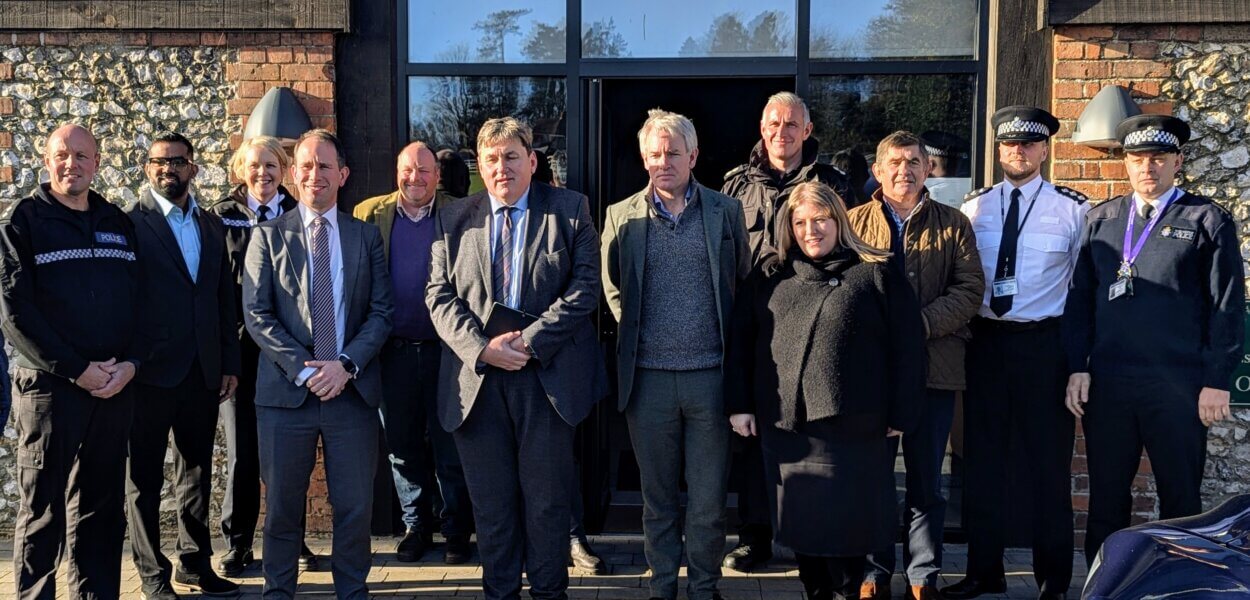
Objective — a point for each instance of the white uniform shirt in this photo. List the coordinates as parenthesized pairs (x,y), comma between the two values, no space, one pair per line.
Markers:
(1047,250)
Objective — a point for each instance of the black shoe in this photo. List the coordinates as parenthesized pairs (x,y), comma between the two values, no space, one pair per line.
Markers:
(157,590)
(206,583)
(307,560)
(459,551)
(971,587)
(412,547)
(235,561)
(748,557)
(582,556)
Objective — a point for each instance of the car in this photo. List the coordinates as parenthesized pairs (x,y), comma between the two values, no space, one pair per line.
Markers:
(1203,556)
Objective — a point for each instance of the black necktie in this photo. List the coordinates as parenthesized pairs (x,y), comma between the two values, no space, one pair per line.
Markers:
(1147,211)
(262,214)
(1006,266)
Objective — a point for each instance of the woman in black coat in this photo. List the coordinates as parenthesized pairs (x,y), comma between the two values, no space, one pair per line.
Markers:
(826,359)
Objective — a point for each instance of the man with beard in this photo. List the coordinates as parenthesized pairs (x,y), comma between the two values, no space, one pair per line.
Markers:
(1028,232)
(192,365)
(933,245)
(784,157)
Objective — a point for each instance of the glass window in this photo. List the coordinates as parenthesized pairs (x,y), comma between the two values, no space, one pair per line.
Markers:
(690,29)
(446,112)
(892,29)
(486,31)
(853,113)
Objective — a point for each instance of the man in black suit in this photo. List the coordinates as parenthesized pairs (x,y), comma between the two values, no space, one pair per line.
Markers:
(512,400)
(193,364)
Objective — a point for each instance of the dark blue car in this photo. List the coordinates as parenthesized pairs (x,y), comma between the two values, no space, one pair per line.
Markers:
(1203,556)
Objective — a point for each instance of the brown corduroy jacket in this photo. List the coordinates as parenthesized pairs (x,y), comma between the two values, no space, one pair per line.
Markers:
(944,269)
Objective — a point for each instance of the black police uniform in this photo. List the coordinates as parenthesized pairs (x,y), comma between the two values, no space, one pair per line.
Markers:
(240,508)
(69,292)
(1150,349)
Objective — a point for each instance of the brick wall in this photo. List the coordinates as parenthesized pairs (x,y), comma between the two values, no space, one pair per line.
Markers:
(94,77)
(1201,74)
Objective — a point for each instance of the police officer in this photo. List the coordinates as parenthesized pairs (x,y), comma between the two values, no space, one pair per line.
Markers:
(1028,232)
(70,303)
(1153,329)
(784,157)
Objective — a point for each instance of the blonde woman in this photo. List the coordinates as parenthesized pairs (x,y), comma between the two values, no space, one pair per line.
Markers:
(826,359)
(259,165)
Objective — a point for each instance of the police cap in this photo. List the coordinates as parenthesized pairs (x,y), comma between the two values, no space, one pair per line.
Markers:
(940,143)
(1152,133)
(1023,124)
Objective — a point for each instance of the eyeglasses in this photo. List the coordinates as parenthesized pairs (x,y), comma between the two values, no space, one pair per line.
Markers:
(173,163)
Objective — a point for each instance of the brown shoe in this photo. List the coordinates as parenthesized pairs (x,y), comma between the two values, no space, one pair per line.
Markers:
(871,590)
(923,592)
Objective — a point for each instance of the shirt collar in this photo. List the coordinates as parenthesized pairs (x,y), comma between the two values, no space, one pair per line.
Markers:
(1138,200)
(659,204)
(167,206)
(307,215)
(521,204)
(274,204)
(1027,189)
(422,212)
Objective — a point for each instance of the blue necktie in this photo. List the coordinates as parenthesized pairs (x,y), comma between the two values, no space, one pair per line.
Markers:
(502,265)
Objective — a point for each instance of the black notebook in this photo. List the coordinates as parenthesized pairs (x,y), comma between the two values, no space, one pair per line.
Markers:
(503,319)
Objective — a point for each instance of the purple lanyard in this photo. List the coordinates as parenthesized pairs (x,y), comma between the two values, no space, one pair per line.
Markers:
(1130,255)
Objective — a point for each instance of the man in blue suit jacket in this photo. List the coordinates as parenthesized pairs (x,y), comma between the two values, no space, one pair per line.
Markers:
(317,300)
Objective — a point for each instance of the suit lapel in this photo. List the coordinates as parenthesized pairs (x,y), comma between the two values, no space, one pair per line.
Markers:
(711,232)
(351,239)
(535,227)
(210,248)
(297,259)
(635,236)
(476,237)
(153,218)
(384,218)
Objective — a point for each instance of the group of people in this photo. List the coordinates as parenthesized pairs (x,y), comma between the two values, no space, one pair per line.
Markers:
(460,331)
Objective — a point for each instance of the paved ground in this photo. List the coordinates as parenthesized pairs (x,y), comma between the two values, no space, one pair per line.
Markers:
(431,579)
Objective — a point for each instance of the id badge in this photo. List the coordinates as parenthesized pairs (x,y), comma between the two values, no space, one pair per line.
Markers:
(1006,286)
(1121,288)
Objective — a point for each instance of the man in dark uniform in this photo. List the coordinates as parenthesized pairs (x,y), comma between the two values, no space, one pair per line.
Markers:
(192,365)
(1028,232)
(784,158)
(1153,328)
(70,303)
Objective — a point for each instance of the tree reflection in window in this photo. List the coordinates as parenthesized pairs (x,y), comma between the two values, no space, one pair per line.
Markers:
(859,111)
(894,29)
(446,112)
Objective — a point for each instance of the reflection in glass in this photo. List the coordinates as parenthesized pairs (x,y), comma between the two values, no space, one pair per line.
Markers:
(856,112)
(446,112)
(690,29)
(486,31)
(867,29)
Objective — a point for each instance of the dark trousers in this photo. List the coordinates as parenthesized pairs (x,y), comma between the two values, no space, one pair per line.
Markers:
(1016,385)
(410,422)
(518,461)
(829,577)
(190,411)
(240,508)
(924,505)
(348,431)
(747,479)
(1123,416)
(71,473)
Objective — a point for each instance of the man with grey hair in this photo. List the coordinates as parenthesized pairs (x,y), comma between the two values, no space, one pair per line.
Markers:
(784,157)
(514,283)
(673,256)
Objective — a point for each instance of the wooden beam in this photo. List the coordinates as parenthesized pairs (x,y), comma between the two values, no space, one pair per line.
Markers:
(1130,12)
(1019,66)
(175,14)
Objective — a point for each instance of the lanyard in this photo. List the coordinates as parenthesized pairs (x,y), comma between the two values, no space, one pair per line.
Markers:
(1130,253)
(1002,207)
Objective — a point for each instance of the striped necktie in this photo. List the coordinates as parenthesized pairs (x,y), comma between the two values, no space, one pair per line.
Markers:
(501,268)
(325,338)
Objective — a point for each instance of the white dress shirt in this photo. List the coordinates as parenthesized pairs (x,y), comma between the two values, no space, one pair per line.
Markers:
(1047,251)
(520,219)
(307,216)
(274,204)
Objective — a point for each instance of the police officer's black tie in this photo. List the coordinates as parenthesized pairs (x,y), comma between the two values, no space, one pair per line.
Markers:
(262,214)
(1006,266)
(502,267)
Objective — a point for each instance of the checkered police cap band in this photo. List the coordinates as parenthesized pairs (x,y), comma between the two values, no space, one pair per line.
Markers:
(934,151)
(1021,126)
(1151,136)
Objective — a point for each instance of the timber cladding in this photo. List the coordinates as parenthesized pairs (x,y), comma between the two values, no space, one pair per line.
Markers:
(175,14)
(1131,12)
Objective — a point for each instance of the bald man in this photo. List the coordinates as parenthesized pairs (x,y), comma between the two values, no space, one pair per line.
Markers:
(70,303)
(410,362)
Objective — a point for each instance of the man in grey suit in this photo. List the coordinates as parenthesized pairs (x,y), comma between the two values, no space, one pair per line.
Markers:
(673,255)
(512,400)
(317,300)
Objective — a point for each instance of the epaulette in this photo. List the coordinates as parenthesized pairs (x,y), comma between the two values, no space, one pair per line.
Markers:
(977,192)
(1073,194)
(735,171)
